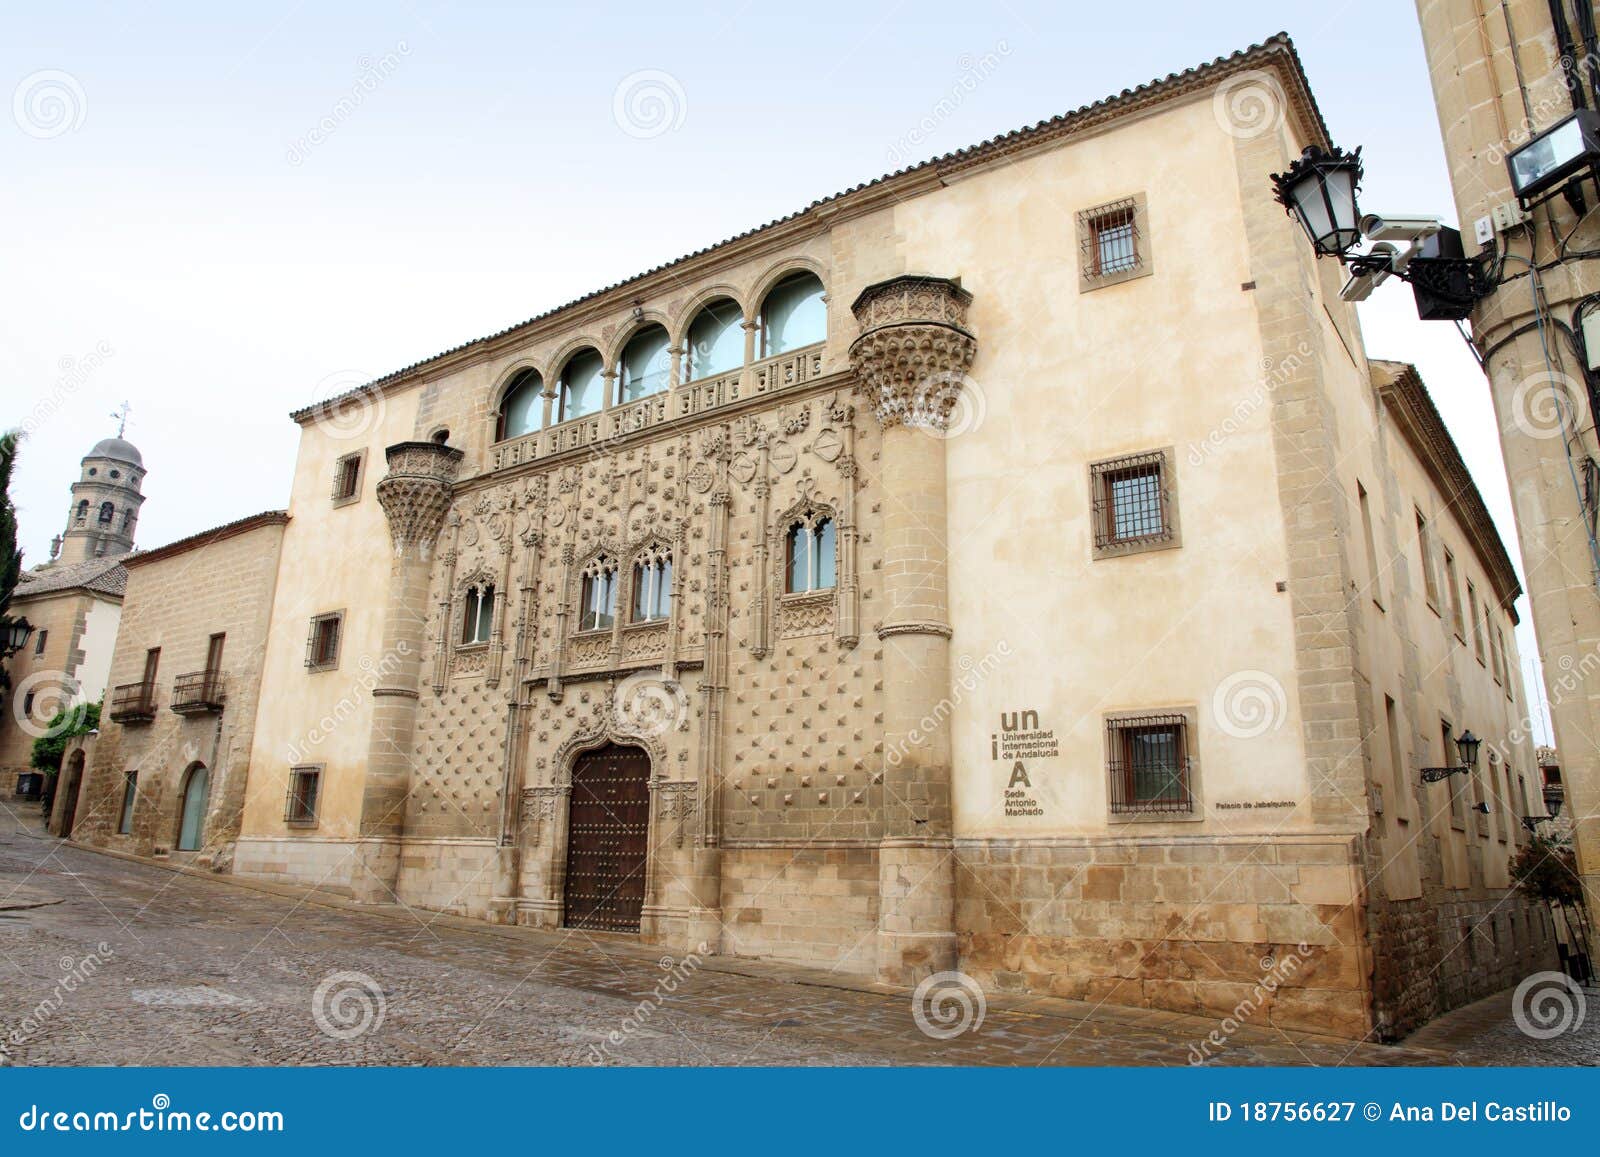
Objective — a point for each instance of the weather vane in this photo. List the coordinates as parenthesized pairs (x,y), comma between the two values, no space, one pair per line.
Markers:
(121,415)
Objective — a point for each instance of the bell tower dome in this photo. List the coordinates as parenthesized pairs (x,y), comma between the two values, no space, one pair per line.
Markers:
(105,502)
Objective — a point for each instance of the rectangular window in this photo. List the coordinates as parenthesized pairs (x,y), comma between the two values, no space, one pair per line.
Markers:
(347,478)
(322,647)
(1430,580)
(1134,507)
(39,643)
(1397,762)
(214,654)
(1148,763)
(1374,571)
(1477,623)
(1113,242)
(1497,654)
(1454,593)
(152,662)
(1449,757)
(130,789)
(304,785)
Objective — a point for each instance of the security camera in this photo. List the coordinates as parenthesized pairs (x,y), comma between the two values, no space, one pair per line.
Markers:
(1411,229)
(1372,269)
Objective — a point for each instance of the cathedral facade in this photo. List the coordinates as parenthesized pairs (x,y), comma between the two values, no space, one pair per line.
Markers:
(1013,565)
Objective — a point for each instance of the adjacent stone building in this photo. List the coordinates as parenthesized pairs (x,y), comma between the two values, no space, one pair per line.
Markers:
(1013,564)
(168,772)
(74,603)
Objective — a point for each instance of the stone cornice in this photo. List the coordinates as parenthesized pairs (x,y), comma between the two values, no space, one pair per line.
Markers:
(1400,388)
(1277,54)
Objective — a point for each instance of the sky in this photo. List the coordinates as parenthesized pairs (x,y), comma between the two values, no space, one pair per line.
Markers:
(221,212)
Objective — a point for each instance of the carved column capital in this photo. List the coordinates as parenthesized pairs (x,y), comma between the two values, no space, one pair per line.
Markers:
(415,495)
(914,349)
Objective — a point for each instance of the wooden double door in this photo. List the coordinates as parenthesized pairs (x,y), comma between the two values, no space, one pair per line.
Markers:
(608,838)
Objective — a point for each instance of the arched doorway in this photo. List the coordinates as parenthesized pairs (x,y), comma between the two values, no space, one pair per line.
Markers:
(71,781)
(191,824)
(608,828)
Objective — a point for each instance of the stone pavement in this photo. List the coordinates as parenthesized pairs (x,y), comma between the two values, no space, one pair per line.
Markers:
(108,961)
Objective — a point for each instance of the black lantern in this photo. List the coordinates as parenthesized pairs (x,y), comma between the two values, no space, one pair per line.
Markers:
(1467,745)
(14,635)
(1320,190)
(1553,797)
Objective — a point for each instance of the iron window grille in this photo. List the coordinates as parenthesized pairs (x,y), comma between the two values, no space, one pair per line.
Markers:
(305,783)
(322,645)
(1149,765)
(347,477)
(1132,502)
(1109,239)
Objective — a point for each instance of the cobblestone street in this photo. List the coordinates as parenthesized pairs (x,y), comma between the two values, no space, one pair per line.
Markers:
(202,971)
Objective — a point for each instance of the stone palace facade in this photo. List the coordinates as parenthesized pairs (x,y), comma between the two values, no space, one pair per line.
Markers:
(1014,565)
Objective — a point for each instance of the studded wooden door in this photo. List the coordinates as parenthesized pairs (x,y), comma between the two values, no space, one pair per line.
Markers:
(607,839)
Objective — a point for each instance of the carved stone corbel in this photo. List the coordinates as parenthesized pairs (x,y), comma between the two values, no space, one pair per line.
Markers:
(914,349)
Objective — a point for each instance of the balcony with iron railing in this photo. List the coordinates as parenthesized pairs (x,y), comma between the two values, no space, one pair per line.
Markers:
(198,693)
(764,378)
(133,702)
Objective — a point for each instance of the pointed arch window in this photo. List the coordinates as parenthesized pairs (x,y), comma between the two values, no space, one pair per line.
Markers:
(652,586)
(716,340)
(811,554)
(477,614)
(793,315)
(599,601)
(522,407)
(583,385)
(645,364)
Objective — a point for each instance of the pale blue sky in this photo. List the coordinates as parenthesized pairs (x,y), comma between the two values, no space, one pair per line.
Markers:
(230,269)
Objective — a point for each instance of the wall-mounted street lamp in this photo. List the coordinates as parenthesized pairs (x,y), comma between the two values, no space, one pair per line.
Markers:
(1320,191)
(1467,745)
(1553,797)
(14,636)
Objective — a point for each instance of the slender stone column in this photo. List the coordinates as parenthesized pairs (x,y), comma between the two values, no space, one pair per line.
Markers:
(415,496)
(912,358)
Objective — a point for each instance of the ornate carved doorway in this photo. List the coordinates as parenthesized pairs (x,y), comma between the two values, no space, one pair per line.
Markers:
(608,830)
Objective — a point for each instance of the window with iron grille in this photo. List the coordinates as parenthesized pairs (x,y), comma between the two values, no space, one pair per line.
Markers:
(347,478)
(1112,242)
(1149,765)
(322,646)
(130,791)
(1133,503)
(304,785)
